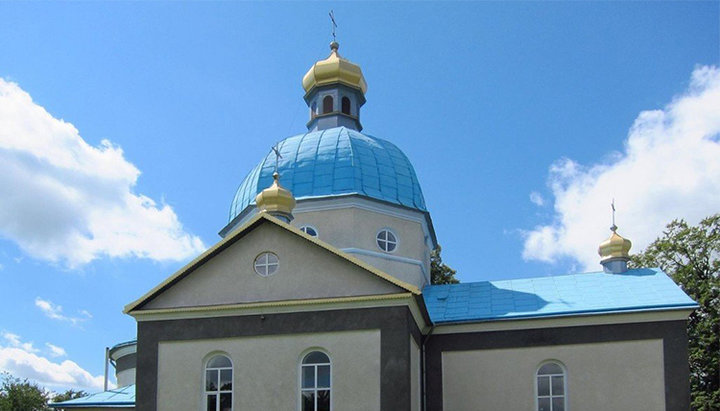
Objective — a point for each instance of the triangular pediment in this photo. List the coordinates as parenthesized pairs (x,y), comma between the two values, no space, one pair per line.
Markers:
(308,269)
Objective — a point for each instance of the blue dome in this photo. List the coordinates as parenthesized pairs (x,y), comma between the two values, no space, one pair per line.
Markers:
(334,162)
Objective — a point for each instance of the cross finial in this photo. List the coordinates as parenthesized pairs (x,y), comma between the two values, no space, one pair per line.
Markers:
(277,157)
(613,228)
(334,25)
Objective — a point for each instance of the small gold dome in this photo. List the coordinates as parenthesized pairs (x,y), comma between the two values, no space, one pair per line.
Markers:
(333,70)
(276,200)
(614,247)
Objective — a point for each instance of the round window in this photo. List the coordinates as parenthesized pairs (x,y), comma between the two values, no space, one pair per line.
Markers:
(309,230)
(387,241)
(266,264)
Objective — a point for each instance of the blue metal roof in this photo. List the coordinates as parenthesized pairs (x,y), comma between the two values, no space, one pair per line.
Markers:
(123,397)
(334,162)
(587,293)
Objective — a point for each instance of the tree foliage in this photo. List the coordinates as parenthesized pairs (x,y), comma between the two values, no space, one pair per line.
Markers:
(691,255)
(69,395)
(21,395)
(440,273)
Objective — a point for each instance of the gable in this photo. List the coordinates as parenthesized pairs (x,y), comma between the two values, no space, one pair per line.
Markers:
(306,270)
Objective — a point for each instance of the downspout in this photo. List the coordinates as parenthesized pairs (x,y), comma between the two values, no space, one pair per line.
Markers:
(424,367)
(107,359)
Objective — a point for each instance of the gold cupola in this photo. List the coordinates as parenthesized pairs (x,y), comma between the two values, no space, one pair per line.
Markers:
(615,252)
(334,70)
(276,200)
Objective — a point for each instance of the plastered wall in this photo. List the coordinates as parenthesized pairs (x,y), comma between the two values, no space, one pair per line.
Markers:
(305,271)
(603,376)
(266,370)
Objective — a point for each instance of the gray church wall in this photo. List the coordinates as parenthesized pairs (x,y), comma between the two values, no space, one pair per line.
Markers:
(395,325)
(625,375)
(267,369)
(305,271)
(670,363)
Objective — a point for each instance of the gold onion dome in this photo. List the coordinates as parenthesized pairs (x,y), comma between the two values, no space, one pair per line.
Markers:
(334,69)
(614,247)
(276,200)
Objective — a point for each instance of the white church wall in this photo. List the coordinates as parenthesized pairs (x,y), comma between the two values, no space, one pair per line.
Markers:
(266,370)
(305,271)
(355,230)
(125,377)
(603,376)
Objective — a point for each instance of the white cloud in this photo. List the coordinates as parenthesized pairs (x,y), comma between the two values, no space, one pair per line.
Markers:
(13,340)
(23,363)
(537,199)
(65,200)
(668,169)
(56,351)
(54,311)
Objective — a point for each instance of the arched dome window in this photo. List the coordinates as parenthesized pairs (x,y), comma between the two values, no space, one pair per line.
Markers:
(313,110)
(327,104)
(345,105)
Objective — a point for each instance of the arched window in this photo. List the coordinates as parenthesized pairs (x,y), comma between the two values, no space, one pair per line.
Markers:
(345,105)
(551,387)
(387,240)
(309,230)
(327,104)
(313,110)
(315,384)
(218,384)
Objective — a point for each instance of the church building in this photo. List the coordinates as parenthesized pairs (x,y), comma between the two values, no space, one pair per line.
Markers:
(318,297)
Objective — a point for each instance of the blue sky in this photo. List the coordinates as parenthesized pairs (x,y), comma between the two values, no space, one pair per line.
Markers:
(523,120)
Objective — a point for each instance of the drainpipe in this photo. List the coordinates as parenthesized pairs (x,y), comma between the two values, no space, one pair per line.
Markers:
(424,367)
(107,358)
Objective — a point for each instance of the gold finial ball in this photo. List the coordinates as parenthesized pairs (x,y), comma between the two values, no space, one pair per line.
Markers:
(276,199)
(615,246)
(334,45)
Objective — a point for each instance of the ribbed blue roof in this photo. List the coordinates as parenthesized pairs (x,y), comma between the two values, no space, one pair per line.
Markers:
(120,398)
(638,289)
(334,162)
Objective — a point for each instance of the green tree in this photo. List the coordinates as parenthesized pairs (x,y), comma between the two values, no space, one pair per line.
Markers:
(69,395)
(691,256)
(21,395)
(440,273)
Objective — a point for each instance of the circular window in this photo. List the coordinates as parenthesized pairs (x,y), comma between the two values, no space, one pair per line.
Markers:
(386,240)
(309,230)
(266,264)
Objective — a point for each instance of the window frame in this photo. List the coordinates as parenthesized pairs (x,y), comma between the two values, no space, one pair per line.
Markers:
(349,105)
(396,242)
(267,265)
(536,377)
(315,389)
(219,391)
(304,227)
(325,106)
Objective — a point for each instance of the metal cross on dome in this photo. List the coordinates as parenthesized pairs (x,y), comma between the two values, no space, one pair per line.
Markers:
(612,205)
(334,25)
(277,156)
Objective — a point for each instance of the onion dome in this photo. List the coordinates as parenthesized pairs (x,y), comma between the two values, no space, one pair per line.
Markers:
(335,162)
(333,70)
(276,200)
(614,247)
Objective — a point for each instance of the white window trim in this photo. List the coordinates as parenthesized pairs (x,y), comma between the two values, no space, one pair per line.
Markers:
(306,226)
(565,382)
(397,240)
(219,391)
(300,376)
(266,265)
